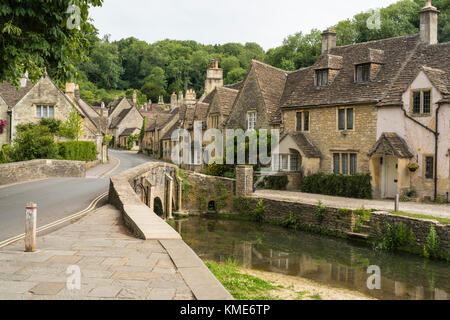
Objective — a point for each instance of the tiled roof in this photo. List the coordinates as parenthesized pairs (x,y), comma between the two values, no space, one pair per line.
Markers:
(433,60)
(115,122)
(128,132)
(12,95)
(304,144)
(226,98)
(159,121)
(271,82)
(301,91)
(235,86)
(168,134)
(392,144)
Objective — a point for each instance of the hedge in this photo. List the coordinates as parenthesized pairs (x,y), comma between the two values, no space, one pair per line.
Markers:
(276,182)
(77,150)
(351,186)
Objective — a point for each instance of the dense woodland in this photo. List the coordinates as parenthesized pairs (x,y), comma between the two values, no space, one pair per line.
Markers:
(160,68)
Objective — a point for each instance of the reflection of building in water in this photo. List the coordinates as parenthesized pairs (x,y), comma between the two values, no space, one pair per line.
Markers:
(279,261)
(440,294)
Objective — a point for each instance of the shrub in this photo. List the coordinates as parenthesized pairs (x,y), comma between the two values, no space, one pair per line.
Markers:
(216,170)
(351,186)
(259,211)
(431,249)
(34,142)
(276,182)
(77,150)
(321,212)
(396,236)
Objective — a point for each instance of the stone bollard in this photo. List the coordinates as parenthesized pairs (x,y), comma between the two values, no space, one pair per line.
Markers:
(397,203)
(30,227)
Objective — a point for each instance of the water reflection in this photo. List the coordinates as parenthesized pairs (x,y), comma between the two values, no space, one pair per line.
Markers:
(335,262)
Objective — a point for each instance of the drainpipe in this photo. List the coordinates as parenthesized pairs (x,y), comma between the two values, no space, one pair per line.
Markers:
(436,139)
(9,112)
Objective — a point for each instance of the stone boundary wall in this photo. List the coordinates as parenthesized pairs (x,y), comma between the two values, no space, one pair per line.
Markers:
(24,171)
(306,214)
(420,227)
(92,164)
(147,225)
(200,190)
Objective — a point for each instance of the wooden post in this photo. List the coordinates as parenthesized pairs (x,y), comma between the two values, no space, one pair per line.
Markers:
(397,202)
(30,227)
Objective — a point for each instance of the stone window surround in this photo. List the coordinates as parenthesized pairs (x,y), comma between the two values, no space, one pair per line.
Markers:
(424,164)
(48,105)
(337,119)
(252,127)
(289,164)
(349,153)
(214,120)
(411,103)
(303,121)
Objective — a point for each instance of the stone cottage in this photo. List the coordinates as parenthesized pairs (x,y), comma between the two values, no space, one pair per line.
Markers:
(378,107)
(32,102)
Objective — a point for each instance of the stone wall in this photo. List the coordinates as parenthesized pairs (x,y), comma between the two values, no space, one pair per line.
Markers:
(40,169)
(420,227)
(329,141)
(199,190)
(336,221)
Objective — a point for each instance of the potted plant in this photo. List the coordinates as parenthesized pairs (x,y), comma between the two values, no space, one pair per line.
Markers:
(413,167)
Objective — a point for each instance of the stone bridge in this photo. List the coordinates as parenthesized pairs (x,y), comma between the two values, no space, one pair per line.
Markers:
(160,189)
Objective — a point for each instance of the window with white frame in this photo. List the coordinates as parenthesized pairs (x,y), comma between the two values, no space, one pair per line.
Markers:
(289,162)
(251,120)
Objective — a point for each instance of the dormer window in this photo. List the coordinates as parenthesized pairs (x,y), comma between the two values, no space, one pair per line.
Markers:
(322,77)
(362,73)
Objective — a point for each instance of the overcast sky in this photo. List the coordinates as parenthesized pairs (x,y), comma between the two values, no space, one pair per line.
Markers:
(266,22)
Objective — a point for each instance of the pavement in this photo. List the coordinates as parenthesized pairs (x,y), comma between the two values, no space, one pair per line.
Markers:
(436,210)
(113,265)
(62,197)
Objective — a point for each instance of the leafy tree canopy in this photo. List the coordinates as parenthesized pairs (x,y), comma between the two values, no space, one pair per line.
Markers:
(43,35)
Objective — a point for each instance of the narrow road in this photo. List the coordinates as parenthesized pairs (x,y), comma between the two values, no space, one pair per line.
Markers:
(56,198)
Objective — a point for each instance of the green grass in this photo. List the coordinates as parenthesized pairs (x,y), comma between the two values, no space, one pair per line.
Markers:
(241,286)
(421,216)
(301,295)
(316,296)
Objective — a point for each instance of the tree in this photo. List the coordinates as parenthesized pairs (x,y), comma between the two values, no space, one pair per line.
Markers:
(44,35)
(73,127)
(235,75)
(153,91)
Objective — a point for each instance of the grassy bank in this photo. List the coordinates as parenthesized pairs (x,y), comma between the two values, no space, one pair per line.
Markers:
(245,284)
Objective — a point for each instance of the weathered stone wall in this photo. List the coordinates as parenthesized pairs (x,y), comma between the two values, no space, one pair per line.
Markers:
(244,180)
(199,190)
(249,99)
(4,137)
(360,140)
(306,215)
(420,227)
(40,169)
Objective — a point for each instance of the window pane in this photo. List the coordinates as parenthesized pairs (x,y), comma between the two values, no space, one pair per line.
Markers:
(336,165)
(51,112)
(353,164)
(366,72)
(345,163)
(38,111)
(429,167)
(416,102)
(294,163)
(349,119)
(306,121)
(44,111)
(341,119)
(359,75)
(299,121)
(284,162)
(426,102)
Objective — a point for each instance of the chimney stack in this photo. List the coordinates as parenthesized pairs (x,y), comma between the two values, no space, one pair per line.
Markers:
(135,97)
(24,80)
(77,92)
(328,40)
(70,90)
(429,24)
